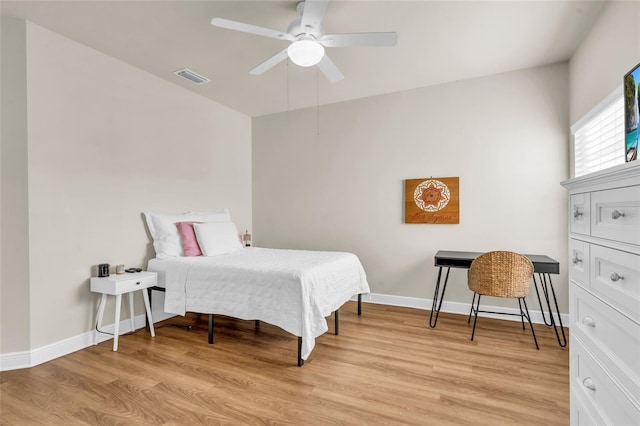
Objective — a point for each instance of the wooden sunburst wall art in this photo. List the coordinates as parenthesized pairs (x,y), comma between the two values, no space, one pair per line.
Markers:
(432,200)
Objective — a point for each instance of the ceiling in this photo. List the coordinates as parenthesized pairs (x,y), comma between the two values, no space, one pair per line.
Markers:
(438,42)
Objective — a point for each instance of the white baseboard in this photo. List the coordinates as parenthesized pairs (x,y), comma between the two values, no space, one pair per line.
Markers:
(15,360)
(27,359)
(457,307)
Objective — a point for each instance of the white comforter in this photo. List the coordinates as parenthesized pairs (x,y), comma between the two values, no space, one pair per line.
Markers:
(293,289)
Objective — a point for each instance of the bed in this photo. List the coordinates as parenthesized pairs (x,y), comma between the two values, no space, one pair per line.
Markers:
(293,289)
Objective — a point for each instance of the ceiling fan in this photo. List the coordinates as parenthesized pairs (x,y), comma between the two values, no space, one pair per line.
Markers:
(308,40)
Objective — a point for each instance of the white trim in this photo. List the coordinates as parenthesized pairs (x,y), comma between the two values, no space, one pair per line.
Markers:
(63,347)
(598,137)
(15,360)
(457,307)
(27,359)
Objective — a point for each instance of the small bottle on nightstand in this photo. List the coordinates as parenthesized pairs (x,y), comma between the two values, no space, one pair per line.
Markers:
(247,238)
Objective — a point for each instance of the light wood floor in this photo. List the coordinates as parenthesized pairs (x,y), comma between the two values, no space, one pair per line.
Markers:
(385,367)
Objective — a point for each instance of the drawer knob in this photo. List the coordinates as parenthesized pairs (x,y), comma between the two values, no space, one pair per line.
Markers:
(577,213)
(138,283)
(589,322)
(615,277)
(616,214)
(588,383)
(576,260)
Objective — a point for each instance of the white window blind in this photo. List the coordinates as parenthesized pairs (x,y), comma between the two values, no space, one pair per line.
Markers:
(599,136)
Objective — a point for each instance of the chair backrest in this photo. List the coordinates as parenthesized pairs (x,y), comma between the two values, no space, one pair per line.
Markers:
(501,274)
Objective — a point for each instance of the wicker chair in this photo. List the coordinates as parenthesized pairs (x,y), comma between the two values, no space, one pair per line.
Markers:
(501,274)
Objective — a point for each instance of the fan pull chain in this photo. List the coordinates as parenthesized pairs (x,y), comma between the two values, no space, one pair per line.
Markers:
(318,101)
(288,89)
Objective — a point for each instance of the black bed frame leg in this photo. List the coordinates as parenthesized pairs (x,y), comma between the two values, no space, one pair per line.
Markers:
(336,320)
(211,329)
(360,304)
(300,360)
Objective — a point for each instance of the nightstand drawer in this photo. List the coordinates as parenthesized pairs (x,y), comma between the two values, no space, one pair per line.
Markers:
(137,283)
(119,284)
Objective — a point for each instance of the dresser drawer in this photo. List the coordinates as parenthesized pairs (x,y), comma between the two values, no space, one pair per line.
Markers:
(615,214)
(579,214)
(596,388)
(581,414)
(615,277)
(579,262)
(612,337)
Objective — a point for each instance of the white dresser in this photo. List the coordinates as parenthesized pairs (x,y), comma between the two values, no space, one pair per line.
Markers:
(604,296)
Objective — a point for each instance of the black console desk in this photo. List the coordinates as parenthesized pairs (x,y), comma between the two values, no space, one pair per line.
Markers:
(543,266)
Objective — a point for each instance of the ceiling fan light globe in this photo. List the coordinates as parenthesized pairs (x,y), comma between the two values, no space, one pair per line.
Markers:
(305,53)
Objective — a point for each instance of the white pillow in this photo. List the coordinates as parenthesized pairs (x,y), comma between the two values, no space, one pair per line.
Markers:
(163,229)
(217,238)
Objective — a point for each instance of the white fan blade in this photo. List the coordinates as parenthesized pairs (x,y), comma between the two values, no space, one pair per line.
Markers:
(251,29)
(313,13)
(329,69)
(359,39)
(270,63)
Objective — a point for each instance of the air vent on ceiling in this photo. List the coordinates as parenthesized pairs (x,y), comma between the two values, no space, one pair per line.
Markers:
(192,76)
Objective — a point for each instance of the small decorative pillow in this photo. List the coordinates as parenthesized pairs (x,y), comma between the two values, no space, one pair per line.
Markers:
(163,229)
(217,238)
(189,241)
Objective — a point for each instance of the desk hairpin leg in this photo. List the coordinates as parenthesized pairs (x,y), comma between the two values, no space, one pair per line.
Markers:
(546,284)
(438,304)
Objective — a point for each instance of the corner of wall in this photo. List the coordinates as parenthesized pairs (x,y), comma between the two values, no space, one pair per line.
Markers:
(14,206)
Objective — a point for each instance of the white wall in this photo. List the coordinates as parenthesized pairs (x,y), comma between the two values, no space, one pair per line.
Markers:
(106,142)
(505,136)
(608,52)
(14,225)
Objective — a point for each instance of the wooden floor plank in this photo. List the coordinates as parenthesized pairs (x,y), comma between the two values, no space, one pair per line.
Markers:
(385,367)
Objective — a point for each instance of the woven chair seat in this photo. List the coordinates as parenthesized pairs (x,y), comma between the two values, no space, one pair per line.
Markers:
(501,274)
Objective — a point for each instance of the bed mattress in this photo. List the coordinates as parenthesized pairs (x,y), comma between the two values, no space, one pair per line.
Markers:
(292,289)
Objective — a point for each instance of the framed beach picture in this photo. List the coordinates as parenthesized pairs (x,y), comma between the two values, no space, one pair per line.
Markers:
(631,113)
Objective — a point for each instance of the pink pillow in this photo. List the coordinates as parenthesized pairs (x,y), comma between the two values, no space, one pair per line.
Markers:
(189,240)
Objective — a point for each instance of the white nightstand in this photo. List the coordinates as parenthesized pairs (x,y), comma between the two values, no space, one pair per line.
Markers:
(117,285)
